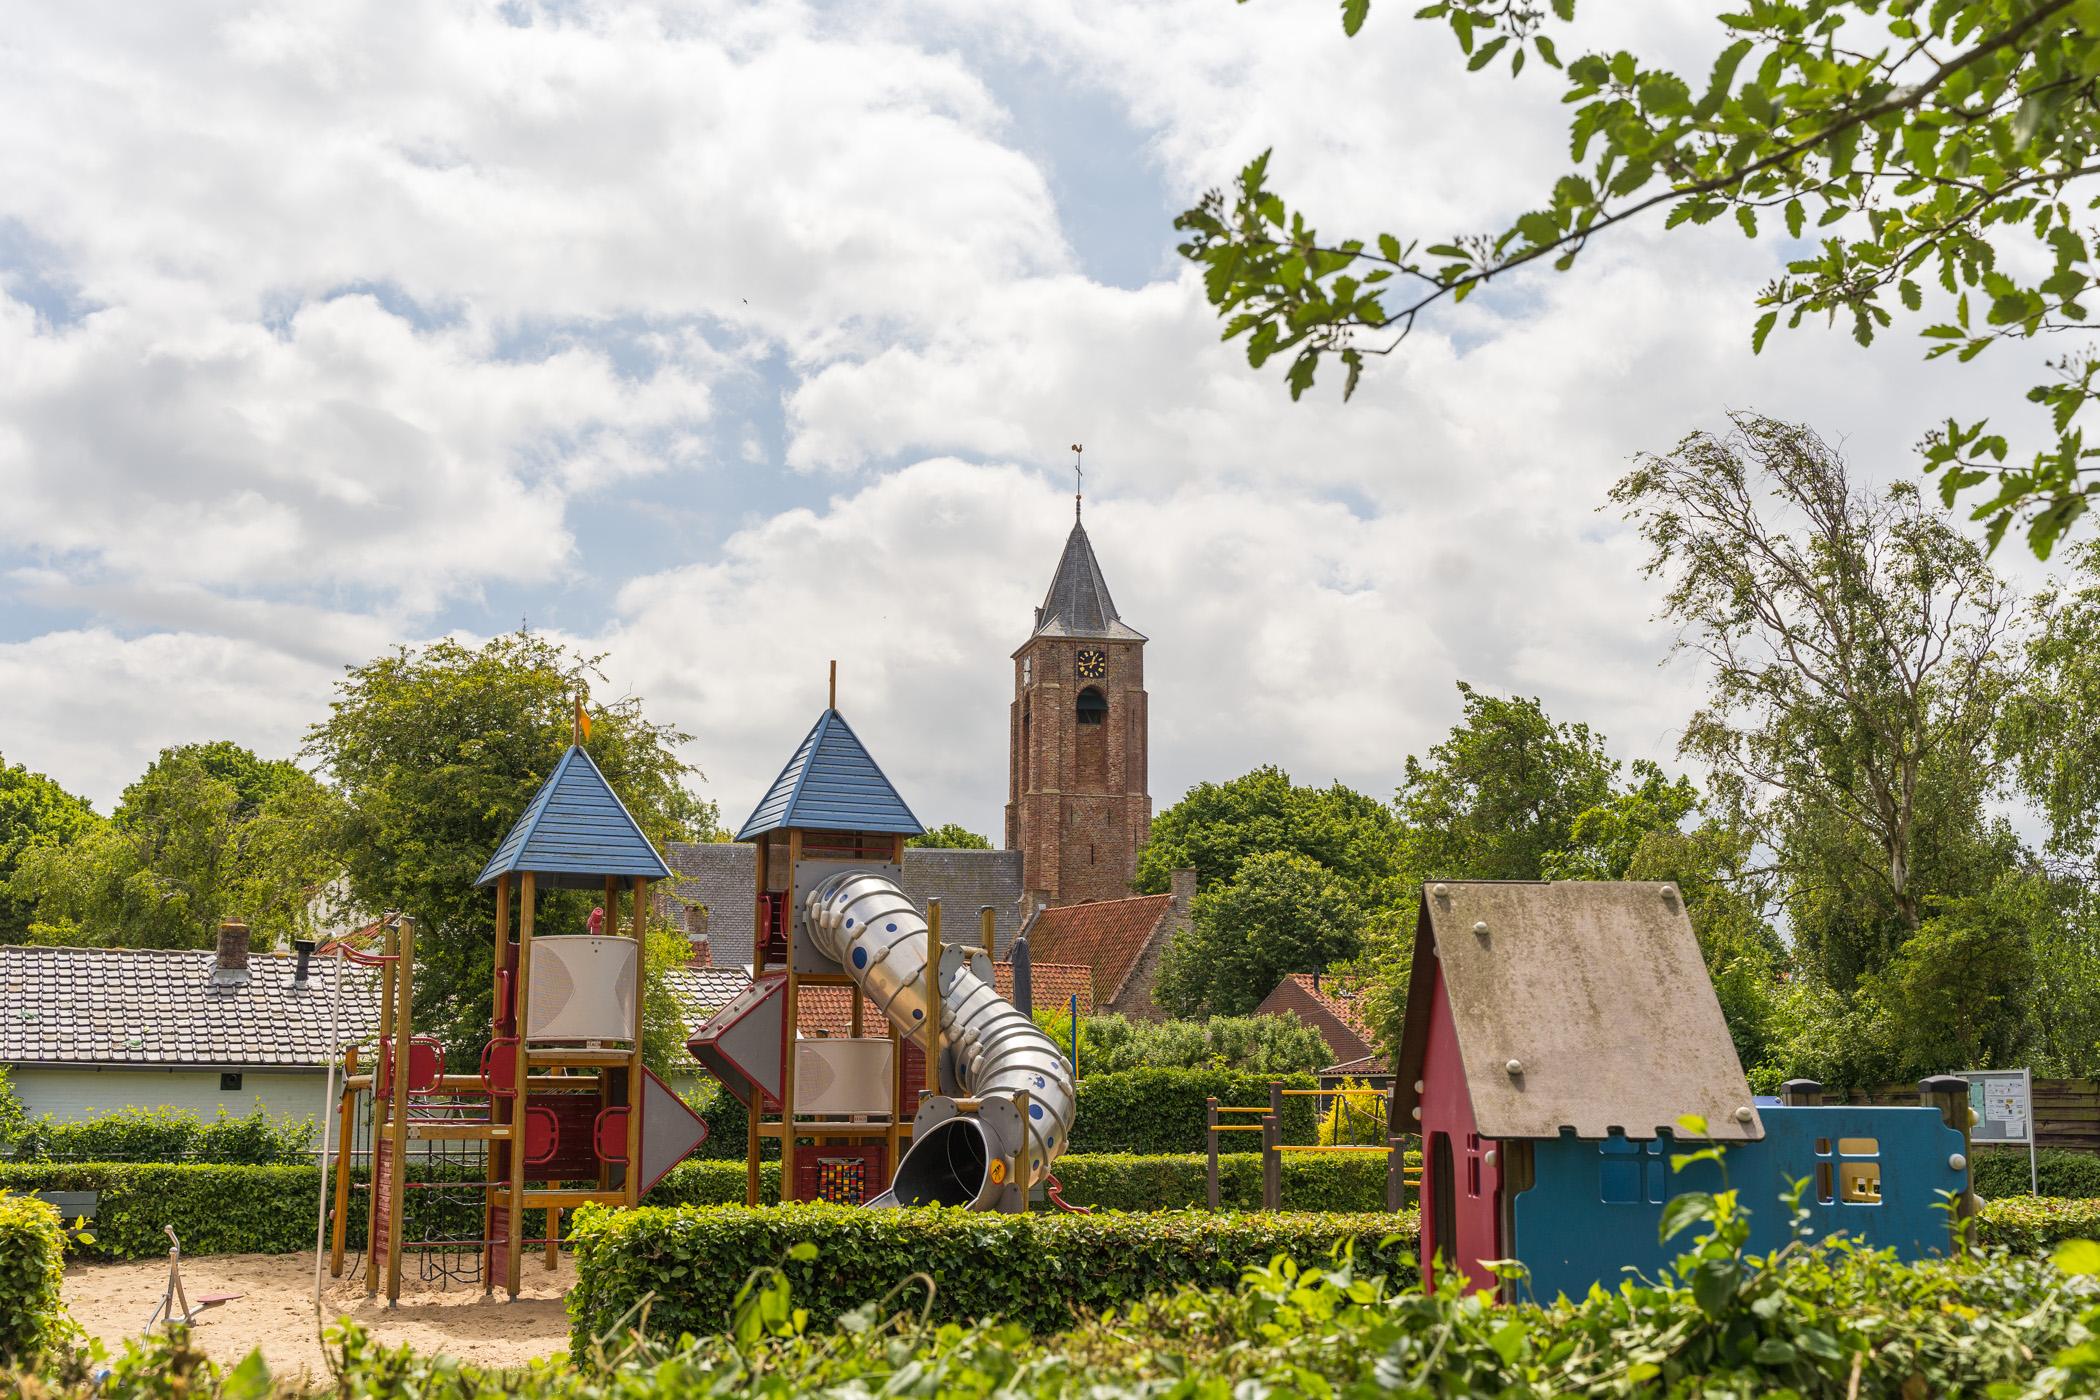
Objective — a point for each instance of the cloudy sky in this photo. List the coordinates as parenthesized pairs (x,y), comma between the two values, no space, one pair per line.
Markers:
(729,339)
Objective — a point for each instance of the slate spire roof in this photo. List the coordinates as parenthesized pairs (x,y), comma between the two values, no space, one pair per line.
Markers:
(575,832)
(831,784)
(1078,604)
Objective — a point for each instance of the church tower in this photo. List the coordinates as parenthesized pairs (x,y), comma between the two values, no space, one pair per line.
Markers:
(1078,810)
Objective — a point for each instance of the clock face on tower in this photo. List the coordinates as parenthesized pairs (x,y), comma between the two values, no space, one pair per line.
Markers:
(1091,663)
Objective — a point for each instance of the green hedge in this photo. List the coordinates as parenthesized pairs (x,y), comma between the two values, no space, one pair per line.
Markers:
(1041,1271)
(32,1274)
(2058,1171)
(1162,1110)
(168,1135)
(1339,1181)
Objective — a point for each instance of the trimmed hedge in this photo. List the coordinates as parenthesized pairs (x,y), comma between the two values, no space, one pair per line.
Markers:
(168,1135)
(2031,1224)
(1041,1271)
(1162,1110)
(32,1275)
(1340,1181)
(2058,1171)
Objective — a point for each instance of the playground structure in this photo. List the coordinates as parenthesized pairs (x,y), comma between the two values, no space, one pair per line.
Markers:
(560,1111)
(1557,1038)
(964,1101)
(1399,1176)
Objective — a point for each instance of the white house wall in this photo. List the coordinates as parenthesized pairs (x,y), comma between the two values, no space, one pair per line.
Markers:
(68,1094)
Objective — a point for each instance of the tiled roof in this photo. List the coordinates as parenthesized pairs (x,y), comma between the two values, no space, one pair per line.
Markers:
(155,1006)
(575,832)
(1368,1064)
(828,1011)
(722,876)
(831,784)
(1330,1005)
(1078,604)
(1109,936)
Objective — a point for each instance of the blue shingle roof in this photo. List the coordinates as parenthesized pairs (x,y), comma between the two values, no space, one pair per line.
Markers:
(831,784)
(575,832)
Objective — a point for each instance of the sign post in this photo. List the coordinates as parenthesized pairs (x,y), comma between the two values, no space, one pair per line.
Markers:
(2002,1103)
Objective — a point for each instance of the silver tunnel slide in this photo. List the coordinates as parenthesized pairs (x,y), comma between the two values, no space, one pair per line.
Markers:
(992,1052)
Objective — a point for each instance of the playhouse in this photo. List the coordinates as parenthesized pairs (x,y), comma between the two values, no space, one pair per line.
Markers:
(1555,1035)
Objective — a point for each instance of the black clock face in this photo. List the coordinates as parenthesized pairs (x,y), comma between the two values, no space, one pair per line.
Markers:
(1092,663)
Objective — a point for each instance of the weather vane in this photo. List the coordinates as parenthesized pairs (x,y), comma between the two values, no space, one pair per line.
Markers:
(1078,478)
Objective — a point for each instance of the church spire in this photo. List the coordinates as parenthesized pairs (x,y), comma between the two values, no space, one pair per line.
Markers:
(1078,603)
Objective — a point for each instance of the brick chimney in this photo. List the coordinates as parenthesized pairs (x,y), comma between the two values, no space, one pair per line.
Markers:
(231,967)
(1182,886)
(698,952)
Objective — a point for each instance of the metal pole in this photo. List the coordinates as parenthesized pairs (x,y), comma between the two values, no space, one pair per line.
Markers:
(2034,1180)
(1075,1036)
(328,1114)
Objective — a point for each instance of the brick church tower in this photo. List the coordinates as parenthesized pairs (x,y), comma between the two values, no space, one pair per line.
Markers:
(1077,808)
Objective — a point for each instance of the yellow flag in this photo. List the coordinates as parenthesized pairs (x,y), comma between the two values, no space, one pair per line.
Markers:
(583,721)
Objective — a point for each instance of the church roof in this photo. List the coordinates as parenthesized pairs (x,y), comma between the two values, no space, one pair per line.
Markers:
(831,784)
(1078,604)
(575,832)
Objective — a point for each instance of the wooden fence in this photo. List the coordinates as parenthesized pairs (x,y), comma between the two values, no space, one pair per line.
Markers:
(2066,1111)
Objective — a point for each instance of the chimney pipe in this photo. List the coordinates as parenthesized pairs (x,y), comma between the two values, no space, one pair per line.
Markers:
(304,947)
(1024,976)
(230,969)
(699,952)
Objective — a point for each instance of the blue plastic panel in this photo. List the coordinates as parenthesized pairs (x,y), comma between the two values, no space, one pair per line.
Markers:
(1595,1209)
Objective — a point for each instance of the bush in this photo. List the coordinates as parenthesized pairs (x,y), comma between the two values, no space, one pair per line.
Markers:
(2031,1224)
(1162,1110)
(32,1274)
(2058,1171)
(168,1135)
(1354,1119)
(1041,1271)
(1344,1181)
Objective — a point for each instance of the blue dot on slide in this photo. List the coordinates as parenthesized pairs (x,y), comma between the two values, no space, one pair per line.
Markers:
(916,1015)
(889,928)
(860,957)
(849,923)
(1035,1110)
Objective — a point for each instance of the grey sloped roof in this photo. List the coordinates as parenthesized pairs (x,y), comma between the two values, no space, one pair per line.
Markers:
(575,832)
(1078,604)
(1595,989)
(155,1006)
(722,876)
(702,991)
(831,784)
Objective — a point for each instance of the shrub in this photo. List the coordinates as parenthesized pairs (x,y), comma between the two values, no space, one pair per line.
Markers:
(32,1273)
(1354,1119)
(2058,1171)
(1344,1181)
(1041,1271)
(1112,1043)
(2031,1224)
(168,1135)
(1162,1110)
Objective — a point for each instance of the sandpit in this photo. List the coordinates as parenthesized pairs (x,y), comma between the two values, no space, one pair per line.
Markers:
(276,1313)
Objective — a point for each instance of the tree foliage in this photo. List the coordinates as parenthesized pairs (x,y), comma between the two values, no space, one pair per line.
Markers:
(1282,912)
(1217,827)
(34,812)
(1928,160)
(951,836)
(436,750)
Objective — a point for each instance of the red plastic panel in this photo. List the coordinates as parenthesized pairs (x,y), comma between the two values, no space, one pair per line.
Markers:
(542,1135)
(609,1132)
(575,1154)
(426,1063)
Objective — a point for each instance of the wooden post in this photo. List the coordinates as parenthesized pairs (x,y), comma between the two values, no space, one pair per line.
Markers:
(346,1123)
(751,1141)
(1213,1192)
(933,994)
(390,946)
(894,1138)
(1017,1179)
(1395,1173)
(1801,1093)
(793,1012)
(990,933)
(521,1000)
(1271,1165)
(1949,1093)
(501,1111)
(1276,1105)
(639,922)
(831,700)
(397,1158)
(611,905)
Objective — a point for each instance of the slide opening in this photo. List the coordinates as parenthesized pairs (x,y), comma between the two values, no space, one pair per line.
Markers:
(946,1167)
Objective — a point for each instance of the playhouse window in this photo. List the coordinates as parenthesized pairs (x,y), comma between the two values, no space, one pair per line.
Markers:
(1631,1172)
(1859,1182)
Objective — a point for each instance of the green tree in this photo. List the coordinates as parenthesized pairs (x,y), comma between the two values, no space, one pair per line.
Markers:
(1281,912)
(35,812)
(1940,152)
(1501,794)
(187,848)
(1217,827)
(436,750)
(951,836)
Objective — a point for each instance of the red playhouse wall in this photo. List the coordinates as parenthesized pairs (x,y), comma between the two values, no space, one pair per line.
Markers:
(1476,1183)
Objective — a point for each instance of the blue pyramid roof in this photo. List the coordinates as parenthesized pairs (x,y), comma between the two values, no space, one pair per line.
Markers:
(831,784)
(575,832)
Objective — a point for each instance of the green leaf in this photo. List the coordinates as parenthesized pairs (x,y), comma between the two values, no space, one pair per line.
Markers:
(1681,1211)
(1747,217)
(802,1253)
(2078,1257)
(1353,14)
(248,1381)
(1763,329)
(1796,216)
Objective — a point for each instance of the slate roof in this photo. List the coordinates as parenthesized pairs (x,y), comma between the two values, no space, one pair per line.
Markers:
(1329,1005)
(722,876)
(157,1006)
(828,1011)
(1109,936)
(1078,604)
(1357,1068)
(831,784)
(575,832)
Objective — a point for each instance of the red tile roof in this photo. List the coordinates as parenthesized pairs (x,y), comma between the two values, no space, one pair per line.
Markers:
(1108,936)
(1369,1064)
(828,1011)
(1329,1005)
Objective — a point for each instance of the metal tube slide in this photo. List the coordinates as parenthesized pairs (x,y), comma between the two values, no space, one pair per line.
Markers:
(862,921)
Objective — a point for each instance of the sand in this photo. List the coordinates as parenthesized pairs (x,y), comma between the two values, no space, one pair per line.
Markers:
(276,1312)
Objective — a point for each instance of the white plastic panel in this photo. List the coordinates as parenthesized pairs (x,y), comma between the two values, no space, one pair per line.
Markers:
(582,988)
(843,1076)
